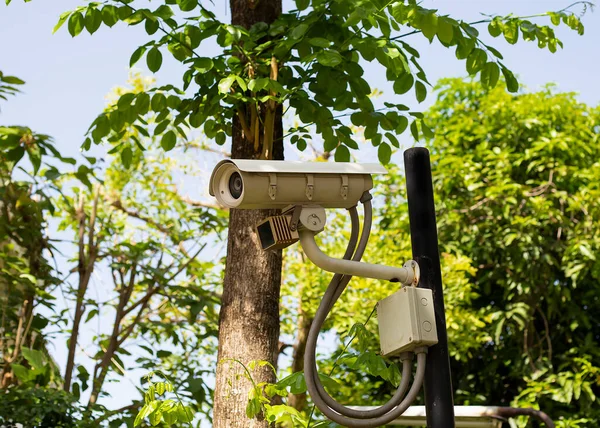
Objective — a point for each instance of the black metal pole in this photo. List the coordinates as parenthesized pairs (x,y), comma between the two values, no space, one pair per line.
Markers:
(439,402)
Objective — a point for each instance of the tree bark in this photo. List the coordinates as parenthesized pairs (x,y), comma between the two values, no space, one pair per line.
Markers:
(249,316)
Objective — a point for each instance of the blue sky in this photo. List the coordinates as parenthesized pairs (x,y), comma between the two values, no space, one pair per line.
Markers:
(68,78)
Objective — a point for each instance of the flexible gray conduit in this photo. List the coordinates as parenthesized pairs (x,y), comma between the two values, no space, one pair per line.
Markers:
(329,407)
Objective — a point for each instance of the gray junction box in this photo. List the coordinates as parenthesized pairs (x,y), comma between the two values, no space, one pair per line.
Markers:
(406,321)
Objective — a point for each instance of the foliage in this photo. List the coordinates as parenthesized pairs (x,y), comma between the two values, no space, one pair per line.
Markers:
(140,230)
(43,407)
(129,220)
(308,59)
(516,190)
(516,187)
(8,85)
(35,402)
(26,279)
(169,412)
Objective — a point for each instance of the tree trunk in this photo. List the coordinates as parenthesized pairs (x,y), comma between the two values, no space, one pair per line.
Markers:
(249,317)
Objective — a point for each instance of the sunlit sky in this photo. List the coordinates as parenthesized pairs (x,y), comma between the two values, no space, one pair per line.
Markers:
(68,78)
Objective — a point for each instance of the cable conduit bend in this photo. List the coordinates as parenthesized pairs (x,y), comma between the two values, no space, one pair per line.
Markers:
(331,408)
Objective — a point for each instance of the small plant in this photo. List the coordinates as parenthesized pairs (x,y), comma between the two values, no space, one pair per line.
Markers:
(167,410)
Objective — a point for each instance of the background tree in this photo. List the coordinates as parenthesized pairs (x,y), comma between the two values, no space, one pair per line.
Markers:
(26,278)
(515,180)
(131,222)
(28,375)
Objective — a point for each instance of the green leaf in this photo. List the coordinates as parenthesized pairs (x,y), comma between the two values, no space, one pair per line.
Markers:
(110,15)
(61,20)
(164,12)
(170,417)
(253,408)
(476,60)
(146,410)
(342,154)
(302,4)
(76,390)
(402,124)
(203,65)
(384,153)
(185,414)
(142,104)
(225,84)
(240,81)
(490,75)
(12,80)
(320,42)
(494,52)
(428,24)
(427,132)
(151,26)
(585,250)
(125,101)
(93,20)
(299,31)
(91,314)
(155,417)
(187,5)
(404,84)
(137,54)
(511,82)
(328,382)
(414,130)
(421,91)
(511,31)
(256,85)
(465,47)
(76,24)
(495,28)
(159,102)
(329,58)
(154,59)
(355,17)
(392,139)
(126,157)
(22,373)
(445,31)
(168,141)
(35,358)
(161,127)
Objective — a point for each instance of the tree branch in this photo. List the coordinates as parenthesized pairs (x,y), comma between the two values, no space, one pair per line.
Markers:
(85,268)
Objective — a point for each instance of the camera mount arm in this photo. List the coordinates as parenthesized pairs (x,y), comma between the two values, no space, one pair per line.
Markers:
(312,223)
(407,275)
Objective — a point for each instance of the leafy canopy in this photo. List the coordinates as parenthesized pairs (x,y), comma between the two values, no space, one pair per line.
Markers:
(310,60)
(516,181)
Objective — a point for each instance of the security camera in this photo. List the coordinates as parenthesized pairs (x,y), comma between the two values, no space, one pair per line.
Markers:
(252,184)
(303,191)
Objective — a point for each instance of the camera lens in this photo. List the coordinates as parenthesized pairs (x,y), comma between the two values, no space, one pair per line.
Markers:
(236,185)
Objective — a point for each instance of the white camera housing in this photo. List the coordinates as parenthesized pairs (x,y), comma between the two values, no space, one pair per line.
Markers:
(260,184)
